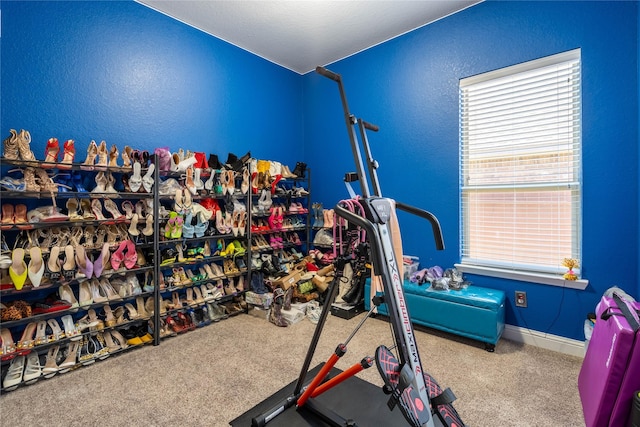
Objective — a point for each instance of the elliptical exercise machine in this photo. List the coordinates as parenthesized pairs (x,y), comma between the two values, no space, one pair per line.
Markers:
(415,392)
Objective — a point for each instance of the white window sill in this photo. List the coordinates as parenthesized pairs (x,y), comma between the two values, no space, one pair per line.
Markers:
(544,279)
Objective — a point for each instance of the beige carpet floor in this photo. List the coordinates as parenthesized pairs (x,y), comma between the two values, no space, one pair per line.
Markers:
(214,374)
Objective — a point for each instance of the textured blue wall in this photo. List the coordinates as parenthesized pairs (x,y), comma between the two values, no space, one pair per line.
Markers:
(409,86)
(122,72)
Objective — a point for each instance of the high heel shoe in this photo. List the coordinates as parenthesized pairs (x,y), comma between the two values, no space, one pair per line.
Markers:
(133,227)
(96,208)
(92,152)
(108,290)
(41,333)
(36,266)
(84,294)
(112,208)
(135,181)
(51,153)
(83,263)
(109,319)
(70,329)
(113,156)
(208,185)
(69,155)
(101,263)
(72,357)
(188,182)
(109,188)
(147,179)
(26,342)
(14,374)
(101,183)
(231,182)
(197,181)
(103,156)
(69,265)
(18,270)
(85,208)
(118,256)
(126,157)
(148,229)
(51,366)
(66,294)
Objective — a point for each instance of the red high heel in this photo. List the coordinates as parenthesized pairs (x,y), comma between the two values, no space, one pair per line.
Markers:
(51,153)
(69,155)
(186,321)
(173,325)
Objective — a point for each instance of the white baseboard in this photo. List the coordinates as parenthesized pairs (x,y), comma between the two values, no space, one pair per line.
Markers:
(547,341)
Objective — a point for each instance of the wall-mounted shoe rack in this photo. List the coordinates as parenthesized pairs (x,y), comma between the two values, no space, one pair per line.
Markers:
(168,280)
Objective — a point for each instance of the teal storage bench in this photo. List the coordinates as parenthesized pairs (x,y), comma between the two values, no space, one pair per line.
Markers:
(474,312)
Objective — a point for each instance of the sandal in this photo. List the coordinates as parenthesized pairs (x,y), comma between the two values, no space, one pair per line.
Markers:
(147,179)
(51,153)
(13,378)
(127,206)
(133,227)
(73,206)
(96,208)
(135,181)
(112,208)
(113,156)
(103,156)
(69,155)
(188,181)
(92,152)
(69,264)
(56,332)
(118,256)
(126,157)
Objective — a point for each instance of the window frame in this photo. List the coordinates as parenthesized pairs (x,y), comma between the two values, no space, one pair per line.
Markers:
(511,270)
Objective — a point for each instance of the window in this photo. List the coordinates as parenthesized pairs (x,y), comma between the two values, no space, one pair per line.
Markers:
(520,140)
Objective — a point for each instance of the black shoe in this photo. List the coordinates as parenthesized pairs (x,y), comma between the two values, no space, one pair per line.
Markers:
(355,294)
(213,162)
(231,160)
(300,169)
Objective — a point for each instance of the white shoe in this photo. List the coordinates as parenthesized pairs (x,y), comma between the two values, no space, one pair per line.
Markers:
(14,374)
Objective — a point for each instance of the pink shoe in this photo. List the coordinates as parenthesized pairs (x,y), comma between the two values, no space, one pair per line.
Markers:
(118,256)
(131,258)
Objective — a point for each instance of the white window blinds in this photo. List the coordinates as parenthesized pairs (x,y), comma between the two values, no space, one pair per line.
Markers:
(520,138)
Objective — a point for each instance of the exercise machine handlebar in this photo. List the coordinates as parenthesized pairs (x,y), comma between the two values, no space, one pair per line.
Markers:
(435,224)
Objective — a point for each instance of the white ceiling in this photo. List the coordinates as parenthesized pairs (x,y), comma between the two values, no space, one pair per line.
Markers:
(299,35)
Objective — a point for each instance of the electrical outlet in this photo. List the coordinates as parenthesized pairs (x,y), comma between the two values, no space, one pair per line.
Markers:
(521,299)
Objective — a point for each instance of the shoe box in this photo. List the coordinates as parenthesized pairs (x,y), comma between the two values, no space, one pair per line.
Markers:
(345,311)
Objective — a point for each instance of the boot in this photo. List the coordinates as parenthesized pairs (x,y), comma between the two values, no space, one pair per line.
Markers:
(275,313)
(213,162)
(287,298)
(355,294)
(201,161)
(244,159)
(231,160)
(257,283)
(300,169)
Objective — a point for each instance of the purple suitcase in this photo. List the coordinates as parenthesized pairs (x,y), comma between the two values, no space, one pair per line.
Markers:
(610,371)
